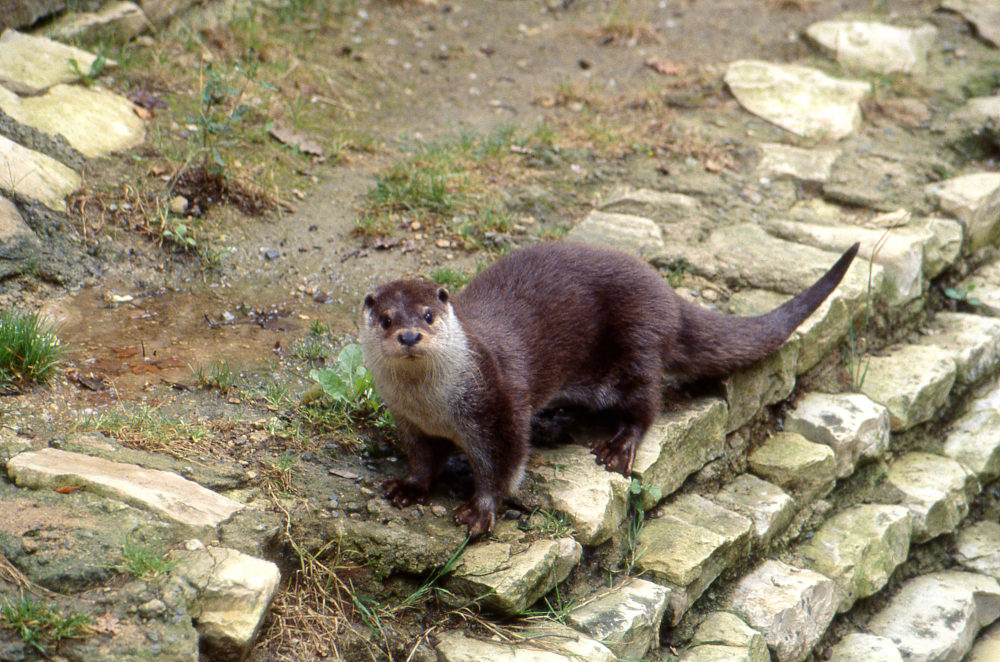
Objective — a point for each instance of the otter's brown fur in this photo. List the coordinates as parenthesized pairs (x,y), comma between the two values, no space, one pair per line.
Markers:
(558,324)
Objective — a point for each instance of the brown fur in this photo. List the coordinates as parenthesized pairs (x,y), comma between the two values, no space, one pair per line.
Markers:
(559,324)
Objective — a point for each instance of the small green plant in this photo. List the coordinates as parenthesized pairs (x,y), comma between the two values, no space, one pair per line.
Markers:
(275,394)
(960,295)
(675,271)
(277,474)
(551,524)
(349,390)
(145,427)
(30,352)
(89,77)
(319,328)
(857,364)
(312,348)
(637,518)
(431,581)
(177,233)
(450,278)
(218,375)
(144,562)
(41,626)
(556,607)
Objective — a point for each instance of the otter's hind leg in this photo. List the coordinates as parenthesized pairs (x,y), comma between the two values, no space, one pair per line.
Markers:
(425,456)
(636,411)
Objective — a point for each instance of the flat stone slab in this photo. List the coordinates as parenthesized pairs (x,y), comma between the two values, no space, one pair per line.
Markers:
(935,489)
(626,618)
(30,65)
(679,443)
(979,109)
(168,495)
(859,548)
(35,176)
(724,630)
(850,423)
(911,381)
(547,643)
(984,286)
(779,161)
(974,340)
(716,653)
(568,480)
(18,243)
(977,548)
(943,245)
(790,606)
(768,506)
(987,646)
(799,99)
(635,234)
(764,383)
(935,617)
(974,200)
(984,14)
(790,461)
(875,47)
(509,577)
(94,120)
(124,20)
(660,206)
(861,647)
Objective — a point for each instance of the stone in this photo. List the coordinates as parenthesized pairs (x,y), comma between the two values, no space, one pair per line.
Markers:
(722,629)
(791,607)
(936,489)
(799,99)
(30,65)
(987,646)
(768,506)
(972,439)
(879,179)
(660,206)
(850,423)
(977,548)
(715,653)
(548,643)
(875,47)
(679,443)
(943,245)
(859,548)
(811,166)
(764,383)
(509,577)
(689,544)
(18,244)
(788,460)
(234,592)
(911,381)
(626,618)
(568,480)
(19,13)
(973,340)
(121,20)
(974,200)
(95,121)
(984,14)
(34,176)
(168,495)
(979,109)
(861,647)
(634,234)
(936,616)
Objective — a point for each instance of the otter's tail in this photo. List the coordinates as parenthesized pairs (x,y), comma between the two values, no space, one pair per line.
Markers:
(710,344)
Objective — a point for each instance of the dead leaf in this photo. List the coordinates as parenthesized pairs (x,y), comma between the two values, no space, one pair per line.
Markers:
(293,138)
(107,623)
(348,475)
(125,352)
(142,112)
(66,489)
(664,66)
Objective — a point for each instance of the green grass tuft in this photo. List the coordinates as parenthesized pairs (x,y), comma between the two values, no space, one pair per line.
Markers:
(29,349)
(41,626)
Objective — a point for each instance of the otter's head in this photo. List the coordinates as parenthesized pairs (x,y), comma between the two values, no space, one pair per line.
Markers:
(405,321)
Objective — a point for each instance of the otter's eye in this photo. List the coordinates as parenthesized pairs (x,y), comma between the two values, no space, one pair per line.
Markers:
(385,321)
(429,317)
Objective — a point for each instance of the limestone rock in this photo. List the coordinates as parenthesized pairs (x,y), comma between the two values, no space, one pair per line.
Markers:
(234,592)
(95,121)
(17,242)
(978,548)
(859,548)
(716,653)
(549,643)
(788,460)
(568,480)
(121,19)
(799,99)
(875,47)
(159,12)
(19,13)
(974,200)
(973,340)
(30,65)
(679,443)
(936,616)
(511,575)
(166,494)
(768,506)
(911,381)
(973,440)
(660,206)
(943,245)
(626,619)
(860,647)
(936,490)
(979,109)
(984,14)
(635,234)
(791,607)
(811,166)
(849,423)
(722,629)
(987,646)
(37,177)
(764,383)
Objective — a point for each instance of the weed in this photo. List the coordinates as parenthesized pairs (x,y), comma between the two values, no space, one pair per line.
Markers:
(318,328)
(312,348)
(275,394)
(348,391)
(637,519)
(277,474)
(144,562)
(40,625)
(550,524)
(89,77)
(450,278)
(145,427)
(373,225)
(964,296)
(218,375)
(556,607)
(30,352)
(857,366)
(431,581)
(675,271)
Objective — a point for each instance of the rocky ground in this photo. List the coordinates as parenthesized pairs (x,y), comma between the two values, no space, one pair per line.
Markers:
(200,207)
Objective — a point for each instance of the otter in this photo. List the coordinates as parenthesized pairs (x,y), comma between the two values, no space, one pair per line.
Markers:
(558,324)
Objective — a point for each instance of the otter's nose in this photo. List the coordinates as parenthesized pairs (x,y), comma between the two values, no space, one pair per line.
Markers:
(409,338)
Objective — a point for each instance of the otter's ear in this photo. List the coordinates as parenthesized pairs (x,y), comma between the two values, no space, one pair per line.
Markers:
(369,301)
(443,295)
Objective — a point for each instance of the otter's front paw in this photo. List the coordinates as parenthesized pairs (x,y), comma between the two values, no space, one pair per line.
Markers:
(616,454)
(477,515)
(402,493)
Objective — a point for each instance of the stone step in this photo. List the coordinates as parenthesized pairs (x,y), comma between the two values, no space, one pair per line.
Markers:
(635,234)
(766,382)
(974,199)
(788,460)
(810,166)
(35,176)
(791,607)
(987,646)
(972,439)
(875,47)
(983,287)
(862,647)
(768,506)
(911,381)
(626,618)
(859,548)
(31,65)
(973,341)
(935,617)
(723,637)
(977,548)
(551,642)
